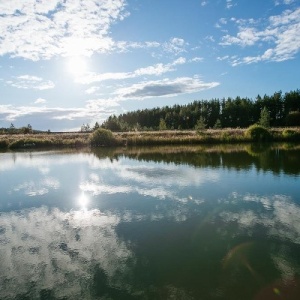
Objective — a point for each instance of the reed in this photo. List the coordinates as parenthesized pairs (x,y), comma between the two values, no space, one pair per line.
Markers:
(145,138)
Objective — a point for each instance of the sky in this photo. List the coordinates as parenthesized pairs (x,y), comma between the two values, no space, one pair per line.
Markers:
(65,63)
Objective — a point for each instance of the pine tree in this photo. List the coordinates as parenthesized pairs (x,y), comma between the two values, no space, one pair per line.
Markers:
(264,118)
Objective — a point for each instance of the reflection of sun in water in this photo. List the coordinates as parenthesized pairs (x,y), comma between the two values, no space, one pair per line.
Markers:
(77,65)
(83,200)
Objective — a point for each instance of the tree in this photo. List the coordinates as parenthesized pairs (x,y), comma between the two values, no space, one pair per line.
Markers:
(201,124)
(264,118)
(12,128)
(85,128)
(162,124)
(218,124)
(96,126)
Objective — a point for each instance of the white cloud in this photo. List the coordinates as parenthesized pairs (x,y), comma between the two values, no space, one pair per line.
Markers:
(33,188)
(40,101)
(73,240)
(175,46)
(155,70)
(42,29)
(229,4)
(281,38)
(43,116)
(196,59)
(92,89)
(124,46)
(164,88)
(279,215)
(286,2)
(30,82)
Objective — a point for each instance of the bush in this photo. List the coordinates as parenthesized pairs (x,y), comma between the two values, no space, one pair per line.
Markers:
(102,137)
(290,134)
(3,144)
(258,133)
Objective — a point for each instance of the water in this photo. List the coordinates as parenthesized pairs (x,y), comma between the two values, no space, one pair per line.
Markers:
(183,223)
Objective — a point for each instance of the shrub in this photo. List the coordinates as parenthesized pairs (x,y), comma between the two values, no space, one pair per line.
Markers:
(3,144)
(290,134)
(102,137)
(258,133)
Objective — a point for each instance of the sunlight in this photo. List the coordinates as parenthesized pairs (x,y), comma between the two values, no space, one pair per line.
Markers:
(83,200)
(77,65)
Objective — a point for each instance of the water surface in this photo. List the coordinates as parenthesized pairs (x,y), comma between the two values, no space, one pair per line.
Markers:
(169,223)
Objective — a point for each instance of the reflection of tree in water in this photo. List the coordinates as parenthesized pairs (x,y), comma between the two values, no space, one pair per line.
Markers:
(264,157)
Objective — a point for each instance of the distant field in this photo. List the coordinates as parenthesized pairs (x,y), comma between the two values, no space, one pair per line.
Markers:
(142,138)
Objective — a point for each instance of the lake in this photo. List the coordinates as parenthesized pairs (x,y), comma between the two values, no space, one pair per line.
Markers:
(218,222)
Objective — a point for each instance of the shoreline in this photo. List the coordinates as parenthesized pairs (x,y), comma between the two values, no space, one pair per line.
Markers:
(144,138)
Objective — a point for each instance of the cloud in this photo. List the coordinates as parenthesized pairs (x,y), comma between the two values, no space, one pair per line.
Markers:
(154,70)
(278,214)
(92,89)
(229,4)
(30,82)
(43,29)
(41,116)
(40,101)
(196,59)
(33,188)
(125,46)
(280,37)
(175,46)
(165,87)
(74,241)
(285,2)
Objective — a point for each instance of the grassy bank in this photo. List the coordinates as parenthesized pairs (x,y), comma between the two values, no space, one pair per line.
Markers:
(153,138)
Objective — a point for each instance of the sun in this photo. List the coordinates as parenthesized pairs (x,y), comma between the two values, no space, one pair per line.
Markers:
(83,200)
(77,65)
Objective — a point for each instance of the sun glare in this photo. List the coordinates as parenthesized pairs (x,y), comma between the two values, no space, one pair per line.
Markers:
(83,200)
(77,65)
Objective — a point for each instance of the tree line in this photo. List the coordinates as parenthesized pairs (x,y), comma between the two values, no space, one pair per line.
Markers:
(280,110)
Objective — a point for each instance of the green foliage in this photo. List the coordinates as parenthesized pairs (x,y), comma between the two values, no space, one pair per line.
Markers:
(96,126)
(162,124)
(264,120)
(293,118)
(3,144)
(258,133)
(232,113)
(291,135)
(218,124)
(85,128)
(200,125)
(30,143)
(102,137)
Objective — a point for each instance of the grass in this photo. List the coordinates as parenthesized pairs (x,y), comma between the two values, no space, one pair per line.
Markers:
(146,138)
(52,140)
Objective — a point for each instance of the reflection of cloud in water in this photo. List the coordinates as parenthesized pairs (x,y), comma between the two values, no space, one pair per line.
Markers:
(41,160)
(56,251)
(281,217)
(159,192)
(32,188)
(281,220)
(168,175)
(286,268)
(154,180)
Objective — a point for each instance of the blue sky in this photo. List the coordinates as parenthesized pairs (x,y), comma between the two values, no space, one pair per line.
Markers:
(64,63)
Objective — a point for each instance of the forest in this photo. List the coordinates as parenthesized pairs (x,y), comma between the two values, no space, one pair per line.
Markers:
(282,110)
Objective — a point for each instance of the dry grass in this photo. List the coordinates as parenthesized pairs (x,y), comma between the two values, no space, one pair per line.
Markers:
(146,138)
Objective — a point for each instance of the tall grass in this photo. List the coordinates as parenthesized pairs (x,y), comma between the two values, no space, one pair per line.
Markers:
(149,138)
